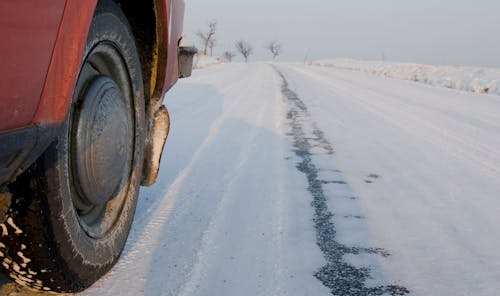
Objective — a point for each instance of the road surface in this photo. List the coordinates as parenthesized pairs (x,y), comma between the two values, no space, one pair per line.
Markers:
(287,179)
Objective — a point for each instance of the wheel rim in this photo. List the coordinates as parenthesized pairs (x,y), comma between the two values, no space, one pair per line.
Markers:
(102,140)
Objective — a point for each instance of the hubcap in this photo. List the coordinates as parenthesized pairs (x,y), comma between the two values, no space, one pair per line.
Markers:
(103,142)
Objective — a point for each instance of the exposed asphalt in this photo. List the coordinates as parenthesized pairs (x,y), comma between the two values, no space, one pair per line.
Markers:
(338,275)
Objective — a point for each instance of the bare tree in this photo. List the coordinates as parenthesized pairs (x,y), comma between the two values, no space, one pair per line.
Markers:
(229,55)
(208,36)
(275,48)
(211,45)
(244,48)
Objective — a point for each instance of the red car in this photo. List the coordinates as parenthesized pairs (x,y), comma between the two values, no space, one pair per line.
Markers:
(82,127)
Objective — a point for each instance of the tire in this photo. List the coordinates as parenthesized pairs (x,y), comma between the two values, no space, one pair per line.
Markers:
(72,210)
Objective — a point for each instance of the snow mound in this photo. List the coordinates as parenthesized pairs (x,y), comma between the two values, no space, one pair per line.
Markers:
(471,79)
(202,61)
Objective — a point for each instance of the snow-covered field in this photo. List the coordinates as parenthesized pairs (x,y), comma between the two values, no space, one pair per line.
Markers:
(287,179)
(479,80)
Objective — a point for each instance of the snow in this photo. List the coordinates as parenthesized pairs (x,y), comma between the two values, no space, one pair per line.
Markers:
(186,41)
(202,61)
(282,185)
(471,79)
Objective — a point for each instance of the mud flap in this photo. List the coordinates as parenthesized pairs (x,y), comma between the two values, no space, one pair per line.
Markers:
(186,55)
(154,147)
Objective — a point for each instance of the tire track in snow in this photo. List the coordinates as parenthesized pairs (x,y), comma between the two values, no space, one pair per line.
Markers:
(205,252)
(206,255)
(341,277)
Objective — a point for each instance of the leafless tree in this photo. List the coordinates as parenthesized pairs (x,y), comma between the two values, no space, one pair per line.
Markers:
(229,55)
(211,45)
(275,48)
(207,36)
(244,48)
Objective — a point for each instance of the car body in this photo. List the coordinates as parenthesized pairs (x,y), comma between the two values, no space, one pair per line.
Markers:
(41,52)
(82,127)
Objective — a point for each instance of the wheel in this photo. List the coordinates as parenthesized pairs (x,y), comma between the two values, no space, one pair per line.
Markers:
(72,210)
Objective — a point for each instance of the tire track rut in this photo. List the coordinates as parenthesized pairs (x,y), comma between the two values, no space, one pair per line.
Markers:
(338,275)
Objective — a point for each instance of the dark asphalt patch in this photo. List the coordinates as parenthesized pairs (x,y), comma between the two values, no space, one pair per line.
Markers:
(339,276)
(354,217)
(333,182)
(371,178)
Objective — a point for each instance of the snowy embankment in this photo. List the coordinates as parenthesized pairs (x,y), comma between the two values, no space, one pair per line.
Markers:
(203,61)
(472,79)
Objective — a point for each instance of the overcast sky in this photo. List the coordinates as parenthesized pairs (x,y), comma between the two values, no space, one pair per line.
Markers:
(463,32)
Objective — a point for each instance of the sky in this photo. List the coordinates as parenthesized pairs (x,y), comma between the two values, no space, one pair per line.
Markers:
(445,32)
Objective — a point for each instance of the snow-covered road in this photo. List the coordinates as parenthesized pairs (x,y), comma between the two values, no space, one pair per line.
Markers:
(293,180)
